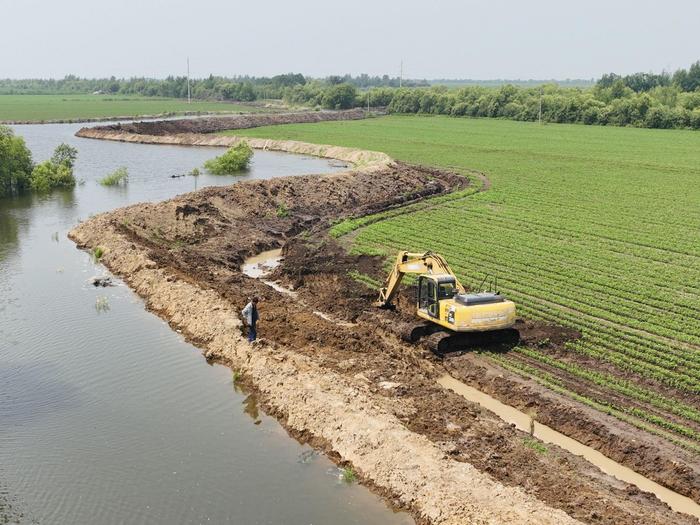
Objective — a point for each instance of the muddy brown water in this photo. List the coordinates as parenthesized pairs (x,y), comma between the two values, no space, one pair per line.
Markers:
(106,414)
(546,434)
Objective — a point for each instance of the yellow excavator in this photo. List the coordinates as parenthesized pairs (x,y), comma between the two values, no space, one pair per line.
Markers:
(451,318)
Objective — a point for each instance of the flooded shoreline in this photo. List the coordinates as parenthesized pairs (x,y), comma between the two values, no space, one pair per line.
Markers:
(111,416)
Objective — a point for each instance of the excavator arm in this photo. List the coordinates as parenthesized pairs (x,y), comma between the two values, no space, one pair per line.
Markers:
(414,263)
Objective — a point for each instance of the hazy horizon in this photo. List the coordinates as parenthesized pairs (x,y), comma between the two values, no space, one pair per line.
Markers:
(446,39)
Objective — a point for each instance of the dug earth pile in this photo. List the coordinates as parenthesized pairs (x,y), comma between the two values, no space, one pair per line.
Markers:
(343,381)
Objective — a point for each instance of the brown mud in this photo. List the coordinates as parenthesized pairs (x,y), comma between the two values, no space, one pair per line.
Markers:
(222,123)
(358,392)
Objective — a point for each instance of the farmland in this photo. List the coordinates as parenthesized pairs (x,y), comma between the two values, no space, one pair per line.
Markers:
(591,228)
(74,107)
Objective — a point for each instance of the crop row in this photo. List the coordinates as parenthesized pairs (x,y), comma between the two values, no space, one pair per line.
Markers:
(615,384)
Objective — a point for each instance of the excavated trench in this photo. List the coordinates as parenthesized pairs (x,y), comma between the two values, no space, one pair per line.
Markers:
(329,367)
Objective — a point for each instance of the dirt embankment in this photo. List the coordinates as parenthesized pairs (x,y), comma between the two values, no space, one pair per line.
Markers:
(355,390)
(222,123)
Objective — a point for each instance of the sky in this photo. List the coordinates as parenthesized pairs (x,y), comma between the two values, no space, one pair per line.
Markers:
(535,39)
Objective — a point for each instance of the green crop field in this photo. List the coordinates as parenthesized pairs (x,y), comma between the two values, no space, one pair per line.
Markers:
(64,107)
(590,227)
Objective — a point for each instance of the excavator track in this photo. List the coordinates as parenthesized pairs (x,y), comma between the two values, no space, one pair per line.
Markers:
(444,342)
(414,332)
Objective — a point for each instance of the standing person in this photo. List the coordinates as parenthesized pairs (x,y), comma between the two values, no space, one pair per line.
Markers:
(250,318)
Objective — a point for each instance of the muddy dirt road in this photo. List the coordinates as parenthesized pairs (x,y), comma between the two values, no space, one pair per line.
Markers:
(353,388)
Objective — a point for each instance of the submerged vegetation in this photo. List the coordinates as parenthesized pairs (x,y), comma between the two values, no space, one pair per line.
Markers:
(18,173)
(101,304)
(348,475)
(119,177)
(236,159)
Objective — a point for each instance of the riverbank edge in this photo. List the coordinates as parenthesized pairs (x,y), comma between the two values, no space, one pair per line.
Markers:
(361,160)
(343,417)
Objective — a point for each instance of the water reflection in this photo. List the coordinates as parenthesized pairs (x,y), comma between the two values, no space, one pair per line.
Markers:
(9,231)
(250,403)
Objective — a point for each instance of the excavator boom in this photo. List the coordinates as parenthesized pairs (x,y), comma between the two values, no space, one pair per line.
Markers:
(414,263)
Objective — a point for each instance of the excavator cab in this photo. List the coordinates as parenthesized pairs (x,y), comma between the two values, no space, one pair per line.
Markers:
(432,289)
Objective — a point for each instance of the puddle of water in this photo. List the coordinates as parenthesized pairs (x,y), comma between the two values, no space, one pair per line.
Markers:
(262,264)
(548,435)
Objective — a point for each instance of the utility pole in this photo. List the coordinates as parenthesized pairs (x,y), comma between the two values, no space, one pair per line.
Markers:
(401,74)
(368,101)
(189,93)
(540,113)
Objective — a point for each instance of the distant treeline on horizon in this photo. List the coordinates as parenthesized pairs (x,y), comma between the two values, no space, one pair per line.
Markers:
(654,100)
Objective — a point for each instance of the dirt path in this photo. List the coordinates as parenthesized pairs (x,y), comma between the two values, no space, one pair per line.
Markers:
(357,391)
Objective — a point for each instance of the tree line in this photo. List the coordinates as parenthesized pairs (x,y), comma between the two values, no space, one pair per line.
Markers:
(239,88)
(650,100)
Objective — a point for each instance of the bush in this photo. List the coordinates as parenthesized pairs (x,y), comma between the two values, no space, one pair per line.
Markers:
(49,175)
(119,177)
(233,161)
(15,162)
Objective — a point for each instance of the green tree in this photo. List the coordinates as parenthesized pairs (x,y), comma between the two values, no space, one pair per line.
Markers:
(340,96)
(15,162)
(65,154)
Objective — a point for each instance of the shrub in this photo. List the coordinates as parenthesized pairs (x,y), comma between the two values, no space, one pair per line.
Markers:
(348,475)
(282,211)
(119,177)
(49,175)
(233,161)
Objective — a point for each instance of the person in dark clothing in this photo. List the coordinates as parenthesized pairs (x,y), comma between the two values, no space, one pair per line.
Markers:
(250,318)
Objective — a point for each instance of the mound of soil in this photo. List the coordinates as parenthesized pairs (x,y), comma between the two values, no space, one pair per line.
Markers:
(222,123)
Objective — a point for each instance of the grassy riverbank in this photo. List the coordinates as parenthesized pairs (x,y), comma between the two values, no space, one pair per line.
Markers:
(37,108)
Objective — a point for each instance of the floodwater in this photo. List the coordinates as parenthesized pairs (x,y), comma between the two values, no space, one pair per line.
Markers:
(106,414)
(546,434)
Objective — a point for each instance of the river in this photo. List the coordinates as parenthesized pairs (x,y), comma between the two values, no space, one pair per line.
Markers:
(106,414)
